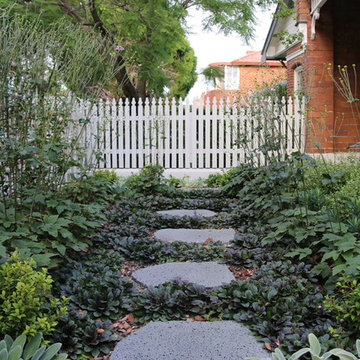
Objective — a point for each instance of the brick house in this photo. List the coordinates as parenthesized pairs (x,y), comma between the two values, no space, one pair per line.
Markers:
(329,37)
(245,75)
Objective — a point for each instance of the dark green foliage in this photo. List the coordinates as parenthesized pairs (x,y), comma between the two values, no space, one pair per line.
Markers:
(87,189)
(282,303)
(98,290)
(314,199)
(146,250)
(246,250)
(81,335)
(171,301)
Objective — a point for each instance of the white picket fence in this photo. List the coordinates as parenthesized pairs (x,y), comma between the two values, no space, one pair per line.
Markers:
(180,135)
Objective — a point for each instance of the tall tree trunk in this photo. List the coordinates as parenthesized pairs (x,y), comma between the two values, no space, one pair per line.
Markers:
(123,79)
(141,88)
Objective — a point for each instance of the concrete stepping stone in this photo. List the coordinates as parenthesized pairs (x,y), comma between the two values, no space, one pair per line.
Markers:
(208,274)
(195,235)
(191,213)
(198,340)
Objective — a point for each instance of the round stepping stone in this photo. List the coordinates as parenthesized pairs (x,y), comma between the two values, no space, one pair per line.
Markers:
(208,274)
(191,213)
(197,340)
(195,235)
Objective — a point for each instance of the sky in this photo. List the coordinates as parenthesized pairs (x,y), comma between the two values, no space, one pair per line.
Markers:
(212,47)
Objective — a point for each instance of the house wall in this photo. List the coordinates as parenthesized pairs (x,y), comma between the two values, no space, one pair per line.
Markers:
(251,78)
(254,77)
(346,52)
(330,119)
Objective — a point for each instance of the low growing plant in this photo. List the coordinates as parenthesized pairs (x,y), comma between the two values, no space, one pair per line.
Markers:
(315,351)
(20,349)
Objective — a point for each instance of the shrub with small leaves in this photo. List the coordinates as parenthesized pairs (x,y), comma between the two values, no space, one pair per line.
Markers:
(26,303)
(345,304)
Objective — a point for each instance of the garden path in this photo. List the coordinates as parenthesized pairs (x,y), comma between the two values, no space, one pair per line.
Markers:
(195,340)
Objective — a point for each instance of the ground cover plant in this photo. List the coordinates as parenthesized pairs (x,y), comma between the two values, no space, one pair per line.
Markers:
(297,222)
(282,303)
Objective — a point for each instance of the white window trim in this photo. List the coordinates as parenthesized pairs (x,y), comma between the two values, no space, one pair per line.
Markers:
(298,71)
(232,84)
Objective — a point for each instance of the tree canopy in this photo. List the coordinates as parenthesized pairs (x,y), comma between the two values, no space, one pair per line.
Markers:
(148,36)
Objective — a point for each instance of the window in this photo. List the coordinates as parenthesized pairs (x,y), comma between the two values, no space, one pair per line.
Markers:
(232,76)
(298,82)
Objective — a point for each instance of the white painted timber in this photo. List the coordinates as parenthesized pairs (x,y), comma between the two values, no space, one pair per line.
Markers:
(184,135)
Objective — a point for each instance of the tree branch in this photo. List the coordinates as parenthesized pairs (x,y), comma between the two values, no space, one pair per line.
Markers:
(70,10)
(98,22)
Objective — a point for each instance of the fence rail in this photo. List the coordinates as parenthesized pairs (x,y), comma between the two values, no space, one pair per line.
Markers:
(180,135)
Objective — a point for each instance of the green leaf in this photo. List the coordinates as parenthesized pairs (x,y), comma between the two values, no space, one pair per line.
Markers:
(299,353)
(338,268)
(32,346)
(342,354)
(38,353)
(15,353)
(61,357)
(2,345)
(4,354)
(19,341)
(9,341)
(272,293)
(314,344)
(51,351)
(278,355)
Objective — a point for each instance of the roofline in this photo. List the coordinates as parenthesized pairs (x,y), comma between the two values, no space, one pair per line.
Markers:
(249,63)
(269,37)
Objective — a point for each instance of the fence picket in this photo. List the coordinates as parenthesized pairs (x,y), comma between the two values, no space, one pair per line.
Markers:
(218,134)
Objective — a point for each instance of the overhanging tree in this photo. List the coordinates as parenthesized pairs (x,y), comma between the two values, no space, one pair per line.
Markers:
(149,36)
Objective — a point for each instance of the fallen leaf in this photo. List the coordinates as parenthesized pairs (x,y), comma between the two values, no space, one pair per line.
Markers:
(268,346)
(208,240)
(198,318)
(130,317)
(206,247)
(100,331)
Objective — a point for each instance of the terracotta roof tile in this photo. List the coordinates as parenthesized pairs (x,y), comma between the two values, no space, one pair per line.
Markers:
(251,58)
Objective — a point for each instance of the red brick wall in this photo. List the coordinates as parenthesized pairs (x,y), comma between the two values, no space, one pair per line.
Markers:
(292,65)
(253,78)
(319,87)
(347,52)
(330,119)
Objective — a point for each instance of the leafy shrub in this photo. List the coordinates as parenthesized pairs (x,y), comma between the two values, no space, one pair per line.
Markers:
(149,181)
(82,336)
(345,304)
(26,303)
(18,349)
(109,175)
(90,189)
(57,226)
(39,137)
(314,199)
